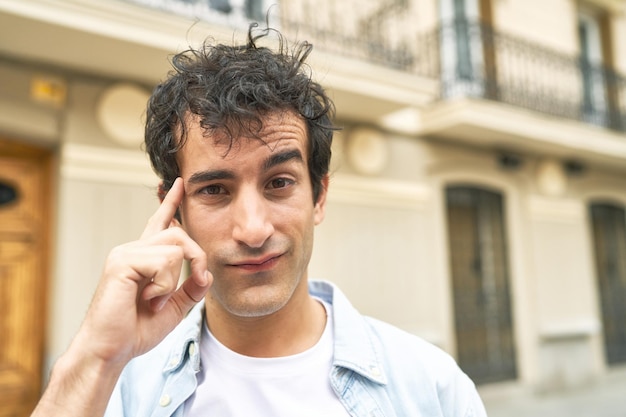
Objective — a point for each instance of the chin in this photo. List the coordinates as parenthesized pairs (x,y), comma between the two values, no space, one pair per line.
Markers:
(255,295)
(255,310)
(257,301)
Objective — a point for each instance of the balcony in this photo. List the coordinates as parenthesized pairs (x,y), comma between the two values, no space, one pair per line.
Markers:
(481,86)
(498,67)
(459,81)
(470,59)
(501,91)
(491,89)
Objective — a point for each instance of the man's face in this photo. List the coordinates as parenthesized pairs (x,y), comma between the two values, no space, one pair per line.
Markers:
(250,207)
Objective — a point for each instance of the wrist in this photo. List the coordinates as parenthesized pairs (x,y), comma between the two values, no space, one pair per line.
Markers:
(80,384)
(81,360)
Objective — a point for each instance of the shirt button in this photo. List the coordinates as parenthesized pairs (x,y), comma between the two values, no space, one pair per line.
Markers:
(192,349)
(375,371)
(165,400)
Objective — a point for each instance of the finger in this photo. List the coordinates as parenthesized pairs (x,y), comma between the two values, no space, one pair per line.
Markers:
(189,294)
(197,290)
(165,279)
(164,215)
(191,250)
(146,264)
(199,268)
(170,247)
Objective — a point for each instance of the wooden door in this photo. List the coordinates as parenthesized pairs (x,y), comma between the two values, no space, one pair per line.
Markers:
(24,230)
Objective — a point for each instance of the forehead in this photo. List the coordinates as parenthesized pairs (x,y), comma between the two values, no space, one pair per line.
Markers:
(278,129)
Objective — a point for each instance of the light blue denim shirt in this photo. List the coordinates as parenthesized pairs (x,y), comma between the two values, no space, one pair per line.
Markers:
(378,370)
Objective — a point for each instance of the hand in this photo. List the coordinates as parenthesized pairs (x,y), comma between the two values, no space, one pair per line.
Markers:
(137,302)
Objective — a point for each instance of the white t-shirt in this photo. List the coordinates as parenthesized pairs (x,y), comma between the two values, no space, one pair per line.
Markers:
(234,385)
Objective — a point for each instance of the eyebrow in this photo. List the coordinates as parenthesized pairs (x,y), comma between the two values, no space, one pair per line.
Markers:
(206,176)
(282,157)
(270,162)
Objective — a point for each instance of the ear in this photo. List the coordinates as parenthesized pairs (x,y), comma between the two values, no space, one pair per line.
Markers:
(320,204)
(161,192)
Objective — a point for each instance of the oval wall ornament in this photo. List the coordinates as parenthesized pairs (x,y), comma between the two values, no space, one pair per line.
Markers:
(8,194)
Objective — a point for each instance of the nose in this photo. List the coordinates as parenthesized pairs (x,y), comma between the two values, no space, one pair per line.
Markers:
(252,225)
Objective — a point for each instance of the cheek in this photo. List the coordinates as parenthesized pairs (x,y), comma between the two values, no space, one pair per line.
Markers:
(201,225)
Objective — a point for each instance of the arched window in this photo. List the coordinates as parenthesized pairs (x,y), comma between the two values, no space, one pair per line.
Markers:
(480,281)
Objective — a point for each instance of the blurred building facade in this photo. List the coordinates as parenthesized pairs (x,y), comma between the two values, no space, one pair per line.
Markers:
(478,193)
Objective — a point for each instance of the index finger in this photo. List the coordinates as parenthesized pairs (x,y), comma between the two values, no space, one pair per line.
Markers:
(162,218)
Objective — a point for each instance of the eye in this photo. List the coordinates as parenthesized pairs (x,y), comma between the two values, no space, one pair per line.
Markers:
(280,183)
(212,189)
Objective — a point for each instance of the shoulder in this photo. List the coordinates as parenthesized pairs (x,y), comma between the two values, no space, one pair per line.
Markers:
(404,372)
(408,351)
(420,371)
(397,340)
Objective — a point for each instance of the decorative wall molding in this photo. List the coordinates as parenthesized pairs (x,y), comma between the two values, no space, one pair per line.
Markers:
(120,110)
(116,19)
(17,118)
(118,166)
(367,150)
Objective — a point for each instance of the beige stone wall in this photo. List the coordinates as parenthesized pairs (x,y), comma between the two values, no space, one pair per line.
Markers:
(619,34)
(550,23)
(106,194)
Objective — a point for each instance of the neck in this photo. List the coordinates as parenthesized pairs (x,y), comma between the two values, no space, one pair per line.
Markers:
(293,329)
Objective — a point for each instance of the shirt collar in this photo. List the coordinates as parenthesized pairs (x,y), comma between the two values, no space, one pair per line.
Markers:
(356,347)
(186,341)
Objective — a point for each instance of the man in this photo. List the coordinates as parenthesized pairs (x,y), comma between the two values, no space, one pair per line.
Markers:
(241,138)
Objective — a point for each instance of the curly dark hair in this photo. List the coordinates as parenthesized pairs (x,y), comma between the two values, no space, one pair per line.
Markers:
(230,88)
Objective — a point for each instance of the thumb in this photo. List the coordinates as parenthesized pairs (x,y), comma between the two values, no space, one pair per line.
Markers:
(192,291)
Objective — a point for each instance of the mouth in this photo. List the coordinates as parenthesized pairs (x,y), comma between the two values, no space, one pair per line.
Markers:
(258,264)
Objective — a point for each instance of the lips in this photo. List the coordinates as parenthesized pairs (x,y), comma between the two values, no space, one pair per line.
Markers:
(259,264)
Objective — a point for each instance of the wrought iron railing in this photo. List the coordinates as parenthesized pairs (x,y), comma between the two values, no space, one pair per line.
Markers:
(471,59)
(377,32)
(477,61)
(466,57)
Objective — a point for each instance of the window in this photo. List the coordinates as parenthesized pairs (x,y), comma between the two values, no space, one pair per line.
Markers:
(252,9)
(467,53)
(221,5)
(8,194)
(462,41)
(593,100)
(236,12)
(480,282)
